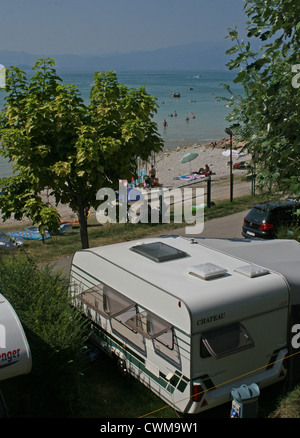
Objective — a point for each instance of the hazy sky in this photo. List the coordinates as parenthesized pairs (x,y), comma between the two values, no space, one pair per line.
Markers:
(51,27)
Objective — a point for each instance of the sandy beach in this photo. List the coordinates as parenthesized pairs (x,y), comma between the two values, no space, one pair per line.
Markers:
(169,169)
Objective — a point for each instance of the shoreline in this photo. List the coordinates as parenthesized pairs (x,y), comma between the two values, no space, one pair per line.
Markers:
(169,168)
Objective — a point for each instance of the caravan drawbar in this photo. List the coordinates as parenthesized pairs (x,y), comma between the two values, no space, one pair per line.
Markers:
(188,319)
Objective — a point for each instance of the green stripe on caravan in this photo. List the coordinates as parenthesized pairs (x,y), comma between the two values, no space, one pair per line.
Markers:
(179,381)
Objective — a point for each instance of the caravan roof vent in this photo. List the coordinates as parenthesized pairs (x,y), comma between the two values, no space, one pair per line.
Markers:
(207,271)
(252,271)
(158,251)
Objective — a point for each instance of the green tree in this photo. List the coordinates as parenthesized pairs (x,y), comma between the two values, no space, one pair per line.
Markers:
(58,142)
(266,115)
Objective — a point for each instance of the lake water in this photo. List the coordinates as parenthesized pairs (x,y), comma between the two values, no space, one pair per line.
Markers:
(199,102)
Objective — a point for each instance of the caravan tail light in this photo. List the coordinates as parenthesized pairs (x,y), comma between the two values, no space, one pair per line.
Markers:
(266,227)
(197,392)
(284,366)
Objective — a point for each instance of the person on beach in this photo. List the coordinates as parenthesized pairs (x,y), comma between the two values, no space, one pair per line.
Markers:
(207,171)
(152,172)
(165,123)
(201,171)
(156,182)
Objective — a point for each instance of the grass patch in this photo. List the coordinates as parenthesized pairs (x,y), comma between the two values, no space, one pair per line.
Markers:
(290,232)
(109,394)
(289,406)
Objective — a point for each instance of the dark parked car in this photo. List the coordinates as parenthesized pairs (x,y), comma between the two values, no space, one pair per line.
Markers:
(263,220)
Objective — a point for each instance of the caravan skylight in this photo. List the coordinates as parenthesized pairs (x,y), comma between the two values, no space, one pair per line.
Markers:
(158,251)
(252,270)
(206,271)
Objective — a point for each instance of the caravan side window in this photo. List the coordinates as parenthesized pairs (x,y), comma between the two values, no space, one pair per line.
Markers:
(106,300)
(125,317)
(152,327)
(224,341)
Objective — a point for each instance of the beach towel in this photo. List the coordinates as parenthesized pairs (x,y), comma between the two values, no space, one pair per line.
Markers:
(29,235)
(190,177)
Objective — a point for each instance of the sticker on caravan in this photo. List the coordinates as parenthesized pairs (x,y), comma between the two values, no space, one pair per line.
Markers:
(7,357)
(2,336)
(211,319)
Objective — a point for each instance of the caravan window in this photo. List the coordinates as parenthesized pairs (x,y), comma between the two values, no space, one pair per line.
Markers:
(115,303)
(125,317)
(106,301)
(225,341)
(152,327)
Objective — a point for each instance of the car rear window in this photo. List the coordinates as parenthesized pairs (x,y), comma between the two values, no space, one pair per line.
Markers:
(258,214)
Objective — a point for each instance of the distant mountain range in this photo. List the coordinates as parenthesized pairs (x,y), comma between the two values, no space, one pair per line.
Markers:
(193,56)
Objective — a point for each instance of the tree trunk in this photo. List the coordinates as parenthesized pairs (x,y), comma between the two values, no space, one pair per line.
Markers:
(82,218)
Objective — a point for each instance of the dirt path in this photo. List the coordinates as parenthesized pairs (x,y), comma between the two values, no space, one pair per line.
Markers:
(221,190)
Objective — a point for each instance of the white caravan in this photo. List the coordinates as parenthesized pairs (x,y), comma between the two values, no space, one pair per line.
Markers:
(189,320)
(15,355)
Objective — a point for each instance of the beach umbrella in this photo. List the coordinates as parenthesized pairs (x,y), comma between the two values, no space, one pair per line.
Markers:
(187,158)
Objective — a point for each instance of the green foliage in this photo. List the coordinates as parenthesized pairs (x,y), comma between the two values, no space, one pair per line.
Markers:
(54,329)
(57,142)
(288,407)
(291,232)
(267,115)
